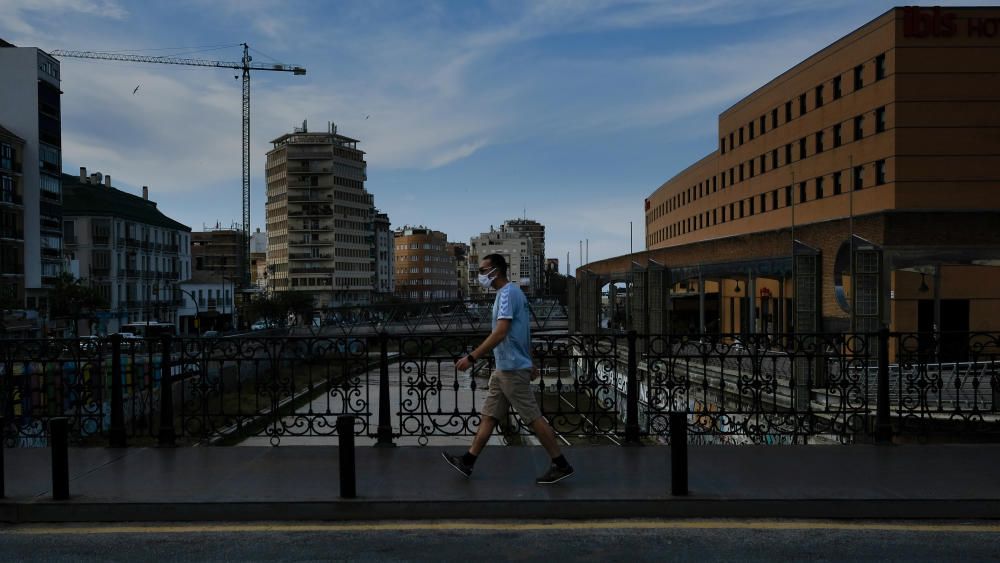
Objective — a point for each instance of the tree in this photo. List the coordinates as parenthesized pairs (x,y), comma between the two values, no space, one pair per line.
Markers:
(70,299)
(266,307)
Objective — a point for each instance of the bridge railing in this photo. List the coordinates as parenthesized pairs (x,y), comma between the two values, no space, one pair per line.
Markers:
(404,388)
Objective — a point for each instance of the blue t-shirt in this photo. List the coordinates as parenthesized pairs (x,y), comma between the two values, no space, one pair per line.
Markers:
(514,351)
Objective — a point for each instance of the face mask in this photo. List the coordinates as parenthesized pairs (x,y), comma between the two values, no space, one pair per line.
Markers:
(485,280)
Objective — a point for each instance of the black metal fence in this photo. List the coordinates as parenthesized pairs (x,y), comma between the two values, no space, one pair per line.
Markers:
(814,388)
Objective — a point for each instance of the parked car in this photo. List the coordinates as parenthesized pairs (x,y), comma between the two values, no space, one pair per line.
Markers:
(89,343)
(210,334)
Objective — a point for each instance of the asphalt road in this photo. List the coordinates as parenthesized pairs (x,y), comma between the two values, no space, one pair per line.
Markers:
(617,540)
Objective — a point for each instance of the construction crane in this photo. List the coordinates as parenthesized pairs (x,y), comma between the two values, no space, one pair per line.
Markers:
(246,65)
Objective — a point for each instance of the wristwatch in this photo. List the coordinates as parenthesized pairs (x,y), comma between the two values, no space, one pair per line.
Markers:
(471,359)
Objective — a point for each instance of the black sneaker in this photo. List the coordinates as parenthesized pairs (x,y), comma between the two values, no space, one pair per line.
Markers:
(554,475)
(458,464)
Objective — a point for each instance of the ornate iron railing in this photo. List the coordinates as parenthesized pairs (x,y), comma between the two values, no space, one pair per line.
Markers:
(833,388)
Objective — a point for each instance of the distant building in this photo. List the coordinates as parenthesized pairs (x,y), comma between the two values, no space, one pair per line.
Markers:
(425,269)
(536,232)
(126,249)
(30,108)
(208,299)
(217,252)
(11,219)
(460,251)
(320,218)
(258,260)
(514,246)
(385,258)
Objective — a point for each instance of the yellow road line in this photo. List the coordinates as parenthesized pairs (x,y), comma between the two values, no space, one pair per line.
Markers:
(333,527)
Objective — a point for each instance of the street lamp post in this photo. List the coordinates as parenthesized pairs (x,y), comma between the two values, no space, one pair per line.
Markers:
(197,310)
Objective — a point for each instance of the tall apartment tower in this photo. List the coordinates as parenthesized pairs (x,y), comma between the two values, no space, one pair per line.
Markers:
(320,218)
(30,109)
(536,232)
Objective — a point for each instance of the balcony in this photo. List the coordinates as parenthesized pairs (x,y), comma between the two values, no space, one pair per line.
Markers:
(313,227)
(12,234)
(11,199)
(101,240)
(311,270)
(308,256)
(100,272)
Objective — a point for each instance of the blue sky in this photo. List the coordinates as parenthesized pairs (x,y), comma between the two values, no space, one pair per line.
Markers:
(572,111)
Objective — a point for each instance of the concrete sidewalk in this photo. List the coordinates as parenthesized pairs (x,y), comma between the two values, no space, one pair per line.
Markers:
(301,483)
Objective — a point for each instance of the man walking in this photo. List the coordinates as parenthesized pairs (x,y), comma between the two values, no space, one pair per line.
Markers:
(510,384)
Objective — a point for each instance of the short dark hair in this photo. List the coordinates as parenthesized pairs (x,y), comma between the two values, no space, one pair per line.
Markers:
(498,262)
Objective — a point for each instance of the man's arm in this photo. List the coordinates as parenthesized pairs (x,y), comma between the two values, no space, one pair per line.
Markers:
(495,337)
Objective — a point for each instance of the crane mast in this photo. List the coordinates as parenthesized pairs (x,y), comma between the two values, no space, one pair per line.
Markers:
(246,65)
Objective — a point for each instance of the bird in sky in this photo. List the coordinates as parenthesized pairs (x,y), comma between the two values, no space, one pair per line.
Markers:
(136,89)
(367,116)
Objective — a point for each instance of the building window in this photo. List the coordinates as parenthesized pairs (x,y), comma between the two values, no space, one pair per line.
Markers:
(731,176)
(741,208)
(774,118)
(751,167)
(763,203)
(763,164)
(819,96)
(859,127)
(6,156)
(837,136)
(802,148)
(750,201)
(859,177)
(788,196)
(788,111)
(774,159)
(741,172)
(837,88)
(715,184)
(732,215)
(802,104)
(722,145)
(741,136)
(788,153)
(750,130)
(802,192)
(859,77)
(819,188)
(715,217)
(774,199)
(879,172)
(836,183)
(880,120)
(763,124)
(880,67)
(819,142)
(731,145)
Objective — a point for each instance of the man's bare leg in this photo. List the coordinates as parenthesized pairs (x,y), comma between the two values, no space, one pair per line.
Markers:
(486,426)
(546,436)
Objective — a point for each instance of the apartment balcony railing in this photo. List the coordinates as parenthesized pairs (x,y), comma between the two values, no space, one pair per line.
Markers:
(100,240)
(310,256)
(311,270)
(15,234)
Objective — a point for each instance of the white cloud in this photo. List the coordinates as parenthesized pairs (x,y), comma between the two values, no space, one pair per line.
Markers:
(17,13)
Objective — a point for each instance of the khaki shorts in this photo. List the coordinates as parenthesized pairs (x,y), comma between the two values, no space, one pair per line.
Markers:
(511,388)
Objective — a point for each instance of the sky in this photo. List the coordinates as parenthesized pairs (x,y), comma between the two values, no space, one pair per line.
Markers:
(568,112)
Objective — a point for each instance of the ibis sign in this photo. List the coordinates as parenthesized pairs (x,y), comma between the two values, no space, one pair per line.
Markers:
(936,22)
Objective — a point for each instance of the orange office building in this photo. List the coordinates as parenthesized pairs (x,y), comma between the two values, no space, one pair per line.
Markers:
(859,189)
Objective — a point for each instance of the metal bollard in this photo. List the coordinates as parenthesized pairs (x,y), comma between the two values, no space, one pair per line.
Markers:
(678,454)
(59,444)
(348,476)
